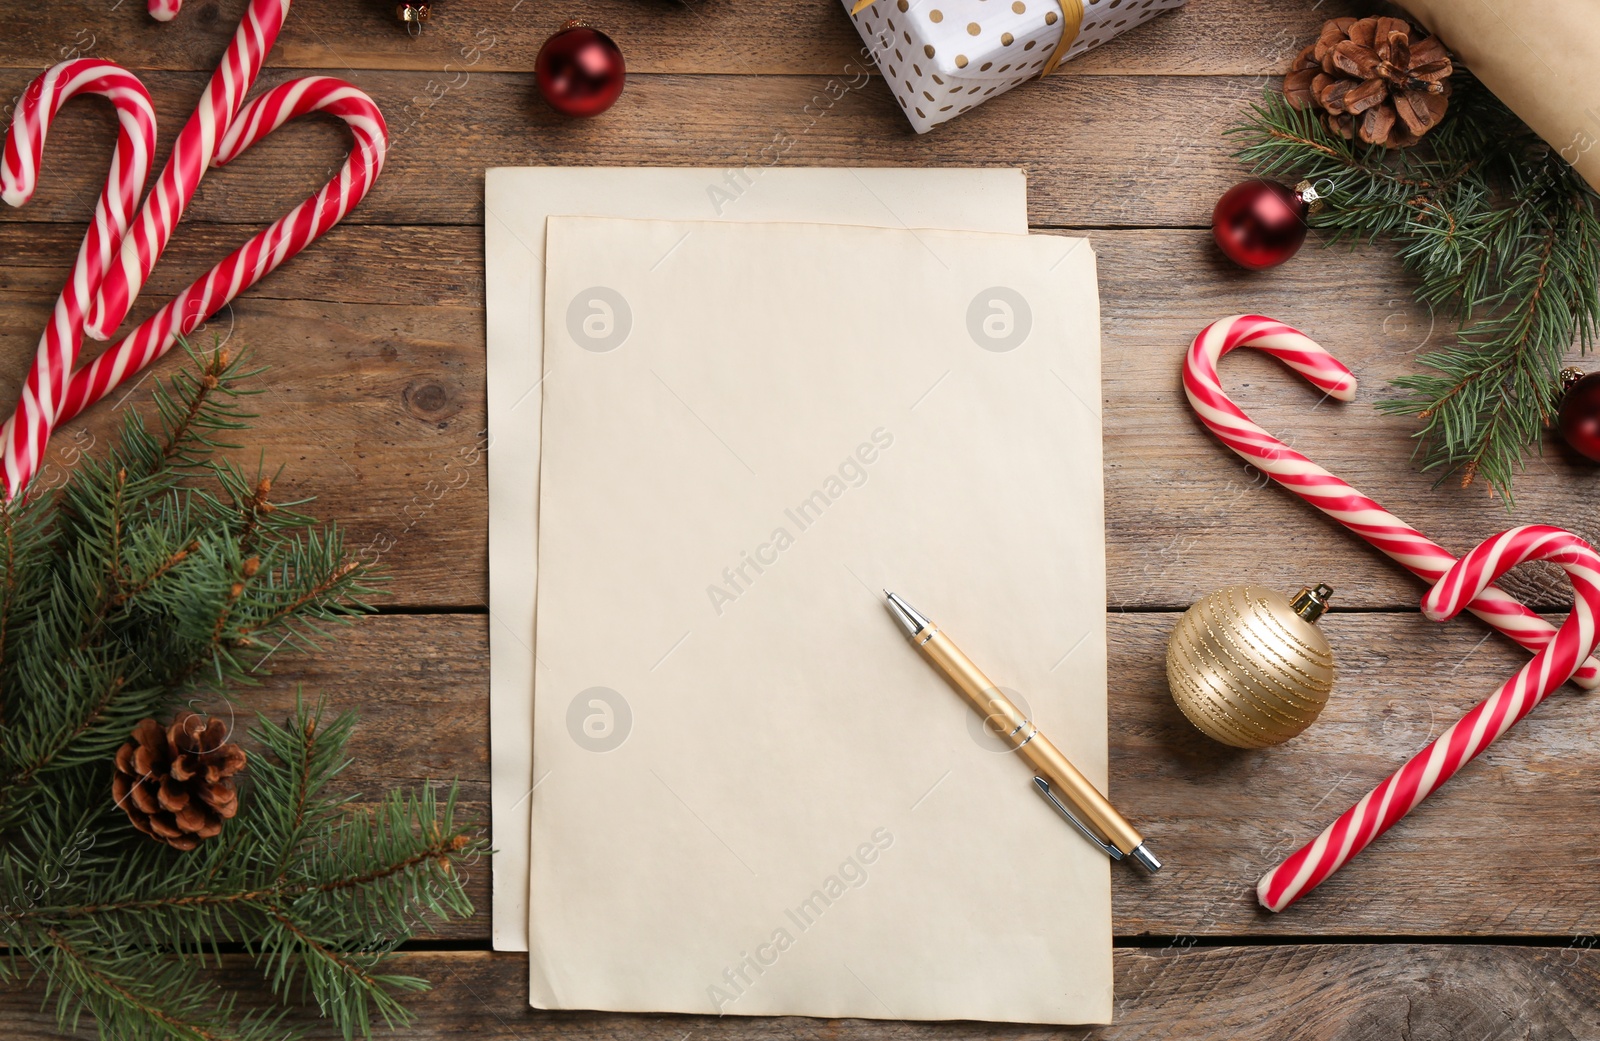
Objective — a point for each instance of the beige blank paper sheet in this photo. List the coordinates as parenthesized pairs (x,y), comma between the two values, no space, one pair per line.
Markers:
(516,203)
(755,797)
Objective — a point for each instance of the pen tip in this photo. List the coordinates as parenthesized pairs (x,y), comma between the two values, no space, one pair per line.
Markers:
(887,593)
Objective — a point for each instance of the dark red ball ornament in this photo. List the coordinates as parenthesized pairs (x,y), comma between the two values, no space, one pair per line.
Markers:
(1260,224)
(580,70)
(1579,418)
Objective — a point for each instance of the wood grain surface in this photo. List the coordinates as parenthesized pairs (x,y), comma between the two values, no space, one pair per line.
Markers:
(1475,918)
(1284,992)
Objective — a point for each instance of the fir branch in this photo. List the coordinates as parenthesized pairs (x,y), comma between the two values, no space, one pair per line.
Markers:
(180,432)
(303,781)
(118,991)
(321,591)
(96,710)
(175,558)
(118,998)
(1500,234)
(439,848)
(8,592)
(27,553)
(148,571)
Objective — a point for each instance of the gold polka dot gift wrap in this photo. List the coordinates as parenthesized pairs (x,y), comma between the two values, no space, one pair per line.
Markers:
(942,57)
(1249,667)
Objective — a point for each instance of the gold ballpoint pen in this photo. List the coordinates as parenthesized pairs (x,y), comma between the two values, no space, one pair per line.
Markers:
(1054,775)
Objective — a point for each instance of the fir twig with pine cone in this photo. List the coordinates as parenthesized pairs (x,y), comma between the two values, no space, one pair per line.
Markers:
(1378,79)
(160,573)
(1502,237)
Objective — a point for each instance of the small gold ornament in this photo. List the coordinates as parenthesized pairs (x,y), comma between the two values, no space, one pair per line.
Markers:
(1249,667)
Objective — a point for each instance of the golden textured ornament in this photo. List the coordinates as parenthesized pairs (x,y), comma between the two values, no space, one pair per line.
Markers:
(1249,667)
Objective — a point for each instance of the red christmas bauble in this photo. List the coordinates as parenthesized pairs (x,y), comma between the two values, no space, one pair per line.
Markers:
(1579,418)
(1259,224)
(580,71)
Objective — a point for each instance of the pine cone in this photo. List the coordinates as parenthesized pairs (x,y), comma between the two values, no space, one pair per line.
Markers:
(1376,78)
(176,782)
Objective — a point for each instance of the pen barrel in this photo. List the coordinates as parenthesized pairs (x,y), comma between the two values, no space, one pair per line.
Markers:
(1002,716)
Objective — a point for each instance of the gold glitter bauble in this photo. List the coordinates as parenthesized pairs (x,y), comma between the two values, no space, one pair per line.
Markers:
(1249,667)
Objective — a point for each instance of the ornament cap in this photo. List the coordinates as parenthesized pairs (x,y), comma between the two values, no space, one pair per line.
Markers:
(1312,601)
(1314,200)
(1569,376)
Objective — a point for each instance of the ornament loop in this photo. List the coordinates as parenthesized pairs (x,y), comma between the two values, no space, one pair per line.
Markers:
(1312,603)
(1314,200)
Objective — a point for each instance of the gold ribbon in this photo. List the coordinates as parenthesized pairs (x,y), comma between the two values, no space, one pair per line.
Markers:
(1071,23)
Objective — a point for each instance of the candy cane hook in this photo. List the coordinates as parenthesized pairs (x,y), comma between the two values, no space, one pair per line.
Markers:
(221,127)
(1472,733)
(192,155)
(270,247)
(25,433)
(1404,544)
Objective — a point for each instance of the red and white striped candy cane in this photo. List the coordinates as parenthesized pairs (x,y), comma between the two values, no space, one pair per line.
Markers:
(193,153)
(1473,732)
(25,433)
(268,248)
(1404,544)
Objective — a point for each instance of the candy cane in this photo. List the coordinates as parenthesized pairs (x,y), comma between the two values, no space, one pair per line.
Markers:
(270,247)
(25,433)
(1404,544)
(219,130)
(1478,729)
(194,151)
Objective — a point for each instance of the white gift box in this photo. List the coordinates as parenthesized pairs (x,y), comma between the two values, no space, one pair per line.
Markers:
(942,57)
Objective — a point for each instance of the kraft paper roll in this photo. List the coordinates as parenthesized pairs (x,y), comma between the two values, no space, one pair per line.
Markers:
(1538,59)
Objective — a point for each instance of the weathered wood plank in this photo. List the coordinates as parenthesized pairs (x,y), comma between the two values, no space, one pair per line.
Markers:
(738,37)
(1321,992)
(376,408)
(1506,849)
(1100,151)
(375,403)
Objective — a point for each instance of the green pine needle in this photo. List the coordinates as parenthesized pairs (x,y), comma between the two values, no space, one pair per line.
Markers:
(157,575)
(1501,235)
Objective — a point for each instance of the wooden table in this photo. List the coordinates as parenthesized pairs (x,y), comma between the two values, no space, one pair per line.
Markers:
(1473,920)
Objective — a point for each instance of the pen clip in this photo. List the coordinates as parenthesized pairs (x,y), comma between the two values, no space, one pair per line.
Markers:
(1044,789)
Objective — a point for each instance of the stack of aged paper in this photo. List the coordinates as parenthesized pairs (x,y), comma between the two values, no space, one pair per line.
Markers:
(715,438)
